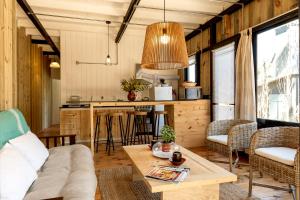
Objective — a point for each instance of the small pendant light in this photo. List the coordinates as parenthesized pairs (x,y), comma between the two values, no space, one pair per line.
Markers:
(108,59)
(164,46)
(54,64)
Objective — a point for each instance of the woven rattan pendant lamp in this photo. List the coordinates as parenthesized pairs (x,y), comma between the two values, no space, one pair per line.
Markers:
(164,46)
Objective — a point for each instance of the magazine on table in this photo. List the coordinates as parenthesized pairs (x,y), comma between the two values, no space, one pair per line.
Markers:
(168,173)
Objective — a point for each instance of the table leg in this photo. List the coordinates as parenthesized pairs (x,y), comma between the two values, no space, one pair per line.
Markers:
(207,192)
(136,176)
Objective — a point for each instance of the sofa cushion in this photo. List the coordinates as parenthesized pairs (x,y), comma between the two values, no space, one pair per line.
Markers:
(31,148)
(68,172)
(16,174)
(221,139)
(12,125)
(283,155)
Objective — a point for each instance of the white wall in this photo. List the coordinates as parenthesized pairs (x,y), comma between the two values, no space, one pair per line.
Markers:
(55,101)
(97,80)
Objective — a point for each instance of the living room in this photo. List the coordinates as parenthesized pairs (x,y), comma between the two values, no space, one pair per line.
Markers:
(149,99)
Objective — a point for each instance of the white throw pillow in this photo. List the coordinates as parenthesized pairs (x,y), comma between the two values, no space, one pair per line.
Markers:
(16,174)
(31,148)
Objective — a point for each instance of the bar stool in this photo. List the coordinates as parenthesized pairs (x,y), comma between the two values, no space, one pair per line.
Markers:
(140,128)
(130,114)
(111,118)
(99,115)
(157,115)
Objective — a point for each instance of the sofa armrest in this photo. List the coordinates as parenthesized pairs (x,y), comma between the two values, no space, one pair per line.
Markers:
(56,138)
(239,135)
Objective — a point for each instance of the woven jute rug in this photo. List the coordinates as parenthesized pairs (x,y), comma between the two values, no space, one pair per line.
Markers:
(116,184)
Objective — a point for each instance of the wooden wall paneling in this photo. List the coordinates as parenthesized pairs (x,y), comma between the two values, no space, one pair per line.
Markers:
(206,38)
(193,45)
(205,73)
(2,47)
(36,88)
(24,74)
(46,93)
(282,6)
(255,13)
(188,46)
(219,32)
(8,55)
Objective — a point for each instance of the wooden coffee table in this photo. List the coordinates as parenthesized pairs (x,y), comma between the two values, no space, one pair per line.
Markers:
(202,183)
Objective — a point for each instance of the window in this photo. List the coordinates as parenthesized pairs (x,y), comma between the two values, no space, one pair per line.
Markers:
(223,82)
(192,72)
(277,72)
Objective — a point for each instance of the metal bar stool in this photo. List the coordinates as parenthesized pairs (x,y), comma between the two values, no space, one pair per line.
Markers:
(130,114)
(99,114)
(156,123)
(140,129)
(112,117)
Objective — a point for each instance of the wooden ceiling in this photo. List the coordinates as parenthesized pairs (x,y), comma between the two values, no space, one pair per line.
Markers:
(57,15)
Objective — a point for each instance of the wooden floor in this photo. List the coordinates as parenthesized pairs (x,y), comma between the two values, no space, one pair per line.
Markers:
(119,158)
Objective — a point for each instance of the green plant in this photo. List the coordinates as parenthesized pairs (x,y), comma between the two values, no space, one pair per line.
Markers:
(168,134)
(135,85)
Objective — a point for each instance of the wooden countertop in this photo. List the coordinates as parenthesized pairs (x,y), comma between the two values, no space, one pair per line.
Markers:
(136,103)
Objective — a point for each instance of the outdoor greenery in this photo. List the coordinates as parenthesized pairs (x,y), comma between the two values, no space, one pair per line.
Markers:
(134,85)
(168,134)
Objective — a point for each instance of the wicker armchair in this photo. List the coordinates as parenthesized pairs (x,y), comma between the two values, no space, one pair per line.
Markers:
(236,136)
(278,137)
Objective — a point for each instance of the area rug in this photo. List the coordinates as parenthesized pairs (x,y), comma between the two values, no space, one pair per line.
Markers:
(116,184)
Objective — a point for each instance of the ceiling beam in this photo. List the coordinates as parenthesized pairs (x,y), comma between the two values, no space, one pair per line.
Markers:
(126,19)
(49,53)
(235,7)
(35,41)
(29,12)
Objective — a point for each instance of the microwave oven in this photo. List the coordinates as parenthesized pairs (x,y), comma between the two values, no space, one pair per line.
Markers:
(190,93)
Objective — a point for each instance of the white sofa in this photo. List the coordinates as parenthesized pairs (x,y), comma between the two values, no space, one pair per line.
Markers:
(67,173)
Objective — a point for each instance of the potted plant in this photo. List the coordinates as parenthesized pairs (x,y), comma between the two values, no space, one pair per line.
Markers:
(168,136)
(134,85)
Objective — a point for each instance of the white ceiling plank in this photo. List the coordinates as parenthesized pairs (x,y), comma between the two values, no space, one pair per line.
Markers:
(88,6)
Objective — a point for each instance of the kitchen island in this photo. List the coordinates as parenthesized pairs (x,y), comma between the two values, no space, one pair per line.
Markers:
(189,118)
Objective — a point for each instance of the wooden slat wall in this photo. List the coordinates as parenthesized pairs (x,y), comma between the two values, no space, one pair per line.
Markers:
(7,54)
(33,83)
(255,13)
(36,88)
(46,92)
(201,41)
(24,74)
(205,73)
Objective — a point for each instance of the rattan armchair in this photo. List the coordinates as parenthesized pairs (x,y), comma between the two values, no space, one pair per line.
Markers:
(276,137)
(236,132)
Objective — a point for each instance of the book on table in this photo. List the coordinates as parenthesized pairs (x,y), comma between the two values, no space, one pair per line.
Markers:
(168,173)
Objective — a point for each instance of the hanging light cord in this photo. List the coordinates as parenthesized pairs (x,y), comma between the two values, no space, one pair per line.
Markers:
(164,10)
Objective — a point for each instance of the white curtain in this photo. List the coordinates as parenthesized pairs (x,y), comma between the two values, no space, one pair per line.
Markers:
(245,105)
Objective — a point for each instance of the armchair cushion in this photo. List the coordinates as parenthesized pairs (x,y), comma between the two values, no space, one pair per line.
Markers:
(221,139)
(283,155)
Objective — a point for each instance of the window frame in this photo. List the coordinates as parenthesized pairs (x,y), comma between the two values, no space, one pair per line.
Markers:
(291,16)
(197,68)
